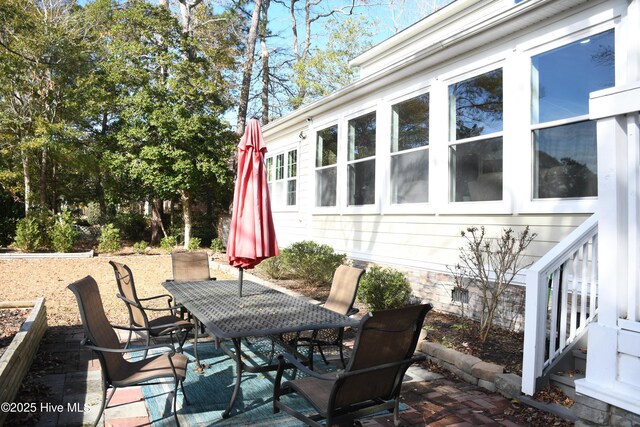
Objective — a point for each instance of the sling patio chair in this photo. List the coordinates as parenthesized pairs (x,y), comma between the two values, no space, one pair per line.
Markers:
(371,382)
(342,295)
(167,325)
(190,266)
(169,366)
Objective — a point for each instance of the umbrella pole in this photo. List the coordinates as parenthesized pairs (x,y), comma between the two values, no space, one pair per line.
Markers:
(240,274)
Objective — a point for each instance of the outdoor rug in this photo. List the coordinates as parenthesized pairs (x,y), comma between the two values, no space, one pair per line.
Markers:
(210,392)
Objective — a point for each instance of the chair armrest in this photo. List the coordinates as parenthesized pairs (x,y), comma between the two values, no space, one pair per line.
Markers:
(156,297)
(130,328)
(407,362)
(86,343)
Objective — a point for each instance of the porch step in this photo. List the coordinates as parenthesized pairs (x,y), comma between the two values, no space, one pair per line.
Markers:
(566,381)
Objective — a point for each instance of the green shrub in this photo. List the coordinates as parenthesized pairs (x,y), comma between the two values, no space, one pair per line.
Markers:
(383,288)
(109,240)
(168,243)
(217,246)
(10,213)
(275,267)
(32,232)
(194,244)
(312,263)
(140,247)
(132,225)
(62,234)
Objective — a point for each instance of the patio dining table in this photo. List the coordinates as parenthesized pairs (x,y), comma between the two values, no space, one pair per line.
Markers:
(261,311)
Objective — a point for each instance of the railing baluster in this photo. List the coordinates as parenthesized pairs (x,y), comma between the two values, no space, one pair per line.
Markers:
(593,298)
(574,297)
(555,297)
(583,288)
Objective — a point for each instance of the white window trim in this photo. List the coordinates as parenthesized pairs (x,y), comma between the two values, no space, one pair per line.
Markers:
(284,150)
(555,39)
(343,155)
(406,208)
(313,131)
(448,207)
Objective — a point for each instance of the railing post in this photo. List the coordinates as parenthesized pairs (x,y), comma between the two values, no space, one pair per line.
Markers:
(536,301)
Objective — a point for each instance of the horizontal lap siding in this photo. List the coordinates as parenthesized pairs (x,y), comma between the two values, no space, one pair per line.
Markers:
(429,241)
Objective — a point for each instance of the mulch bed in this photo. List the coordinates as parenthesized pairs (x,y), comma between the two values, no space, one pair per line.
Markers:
(11,319)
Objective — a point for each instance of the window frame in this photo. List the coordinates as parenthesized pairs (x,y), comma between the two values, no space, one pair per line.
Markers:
(343,173)
(502,206)
(317,128)
(549,42)
(273,156)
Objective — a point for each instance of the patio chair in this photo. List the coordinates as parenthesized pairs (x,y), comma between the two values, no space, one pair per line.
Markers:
(370,383)
(190,266)
(168,325)
(341,298)
(116,370)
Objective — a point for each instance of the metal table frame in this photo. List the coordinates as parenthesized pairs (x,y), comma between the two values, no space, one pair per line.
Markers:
(260,311)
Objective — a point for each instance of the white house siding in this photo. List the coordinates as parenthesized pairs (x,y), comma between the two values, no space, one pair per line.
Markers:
(467,38)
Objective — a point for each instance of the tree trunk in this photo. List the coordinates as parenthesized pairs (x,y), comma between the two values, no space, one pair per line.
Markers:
(265,63)
(27,183)
(243,103)
(43,178)
(156,222)
(185,198)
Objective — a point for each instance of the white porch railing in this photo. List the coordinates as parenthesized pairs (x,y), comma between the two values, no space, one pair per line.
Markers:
(560,301)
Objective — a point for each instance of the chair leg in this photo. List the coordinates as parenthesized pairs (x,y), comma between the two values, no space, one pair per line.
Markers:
(102,404)
(175,406)
(147,345)
(184,394)
(128,339)
(396,411)
(341,348)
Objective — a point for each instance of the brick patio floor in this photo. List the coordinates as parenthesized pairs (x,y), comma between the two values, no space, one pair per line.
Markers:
(73,375)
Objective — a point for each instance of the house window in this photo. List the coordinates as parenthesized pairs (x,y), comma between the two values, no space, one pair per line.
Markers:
(361,165)
(564,140)
(326,166)
(475,124)
(283,189)
(410,151)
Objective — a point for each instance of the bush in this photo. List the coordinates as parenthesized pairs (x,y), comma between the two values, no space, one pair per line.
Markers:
(32,232)
(140,247)
(62,234)
(383,289)
(194,244)
(132,225)
(10,213)
(311,263)
(275,267)
(168,243)
(109,240)
(217,246)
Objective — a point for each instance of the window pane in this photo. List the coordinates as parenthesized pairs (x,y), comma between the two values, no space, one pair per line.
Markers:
(410,124)
(269,164)
(326,180)
(327,147)
(476,171)
(565,161)
(291,192)
(279,166)
(362,137)
(292,163)
(563,78)
(476,105)
(410,177)
(362,187)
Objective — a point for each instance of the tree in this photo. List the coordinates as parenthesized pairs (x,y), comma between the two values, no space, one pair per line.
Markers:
(41,56)
(170,137)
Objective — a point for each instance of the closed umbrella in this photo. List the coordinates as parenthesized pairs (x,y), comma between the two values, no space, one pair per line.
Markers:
(252,236)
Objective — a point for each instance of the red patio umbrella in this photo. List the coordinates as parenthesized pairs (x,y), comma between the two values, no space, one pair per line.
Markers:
(252,236)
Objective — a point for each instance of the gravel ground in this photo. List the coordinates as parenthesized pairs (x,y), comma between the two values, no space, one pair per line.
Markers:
(27,279)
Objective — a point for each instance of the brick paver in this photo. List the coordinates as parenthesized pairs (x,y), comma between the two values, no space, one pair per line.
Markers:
(432,400)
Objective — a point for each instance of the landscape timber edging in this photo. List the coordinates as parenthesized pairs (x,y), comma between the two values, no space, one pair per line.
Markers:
(16,360)
(471,369)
